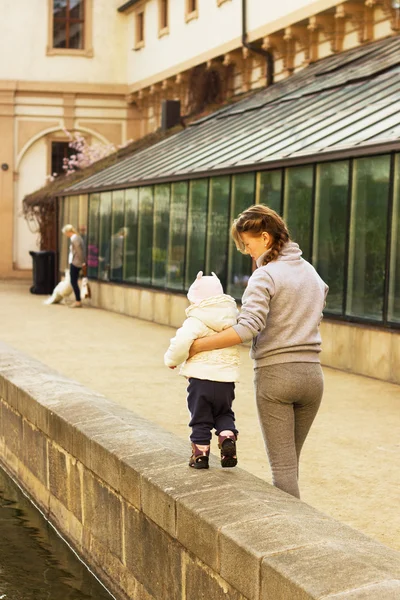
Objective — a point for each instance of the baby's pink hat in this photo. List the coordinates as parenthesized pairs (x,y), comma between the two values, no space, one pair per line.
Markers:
(204,286)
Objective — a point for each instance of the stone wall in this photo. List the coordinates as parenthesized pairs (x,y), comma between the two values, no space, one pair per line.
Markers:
(120,491)
(361,349)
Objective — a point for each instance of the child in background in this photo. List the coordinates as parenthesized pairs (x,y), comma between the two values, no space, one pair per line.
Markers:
(211,375)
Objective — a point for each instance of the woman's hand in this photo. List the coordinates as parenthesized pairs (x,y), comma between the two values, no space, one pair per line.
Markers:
(194,348)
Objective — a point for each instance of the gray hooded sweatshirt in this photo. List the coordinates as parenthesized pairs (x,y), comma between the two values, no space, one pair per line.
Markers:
(282,309)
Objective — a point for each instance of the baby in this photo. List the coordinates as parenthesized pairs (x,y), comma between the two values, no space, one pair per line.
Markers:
(211,375)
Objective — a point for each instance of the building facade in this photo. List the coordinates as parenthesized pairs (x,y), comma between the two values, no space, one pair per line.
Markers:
(102,68)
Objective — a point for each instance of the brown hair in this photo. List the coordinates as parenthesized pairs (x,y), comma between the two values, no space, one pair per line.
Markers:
(256,219)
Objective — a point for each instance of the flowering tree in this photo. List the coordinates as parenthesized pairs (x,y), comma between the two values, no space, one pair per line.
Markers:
(85,154)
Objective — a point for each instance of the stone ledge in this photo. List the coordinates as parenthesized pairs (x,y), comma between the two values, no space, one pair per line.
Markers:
(118,487)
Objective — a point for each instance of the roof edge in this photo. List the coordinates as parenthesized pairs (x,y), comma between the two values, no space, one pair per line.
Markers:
(333,155)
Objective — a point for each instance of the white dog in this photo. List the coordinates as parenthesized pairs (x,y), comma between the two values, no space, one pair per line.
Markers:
(61,291)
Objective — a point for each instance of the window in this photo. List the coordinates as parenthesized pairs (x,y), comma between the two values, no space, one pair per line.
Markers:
(269,189)
(105,236)
(93,240)
(139,33)
(196,234)
(163,7)
(160,240)
(330,229)
(59,152)
(68,23)
(242,196)
(394,281)
(70,27)
(298,206)
(177,235)
(191,9)
(131,237)
(118,234)
(218,228)
(145,235)
(368,237)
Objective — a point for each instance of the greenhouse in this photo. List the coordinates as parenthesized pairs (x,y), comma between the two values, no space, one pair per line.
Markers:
(321,147)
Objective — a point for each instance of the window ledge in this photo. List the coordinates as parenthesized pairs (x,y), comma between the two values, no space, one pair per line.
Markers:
(163,32)
(139,45)
(88,53)
(192,15)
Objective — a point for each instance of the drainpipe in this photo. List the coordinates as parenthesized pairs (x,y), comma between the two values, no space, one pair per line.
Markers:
(266,53)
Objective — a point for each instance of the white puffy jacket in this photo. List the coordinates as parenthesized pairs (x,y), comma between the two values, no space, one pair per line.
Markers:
(206,318)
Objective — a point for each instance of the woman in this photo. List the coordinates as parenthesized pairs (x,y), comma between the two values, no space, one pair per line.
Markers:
(76,260)
(281,312)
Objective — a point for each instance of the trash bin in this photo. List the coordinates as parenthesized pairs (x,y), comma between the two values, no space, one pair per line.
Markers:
(44,275)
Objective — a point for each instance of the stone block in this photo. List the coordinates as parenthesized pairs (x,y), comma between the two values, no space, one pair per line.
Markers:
(162,308)
(319,570)
(102,514)
(146,305)
(342,353)
(244,545)
(11,429)
(35,452)
(384,590)
(152,556)
(118,301)
(203,514)
(378,364)
(65,480)
(395,357)
(202,583)
(132,302)
(34,411)
(177,310)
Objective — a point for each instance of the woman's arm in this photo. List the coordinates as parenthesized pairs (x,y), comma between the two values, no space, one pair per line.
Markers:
(223,339)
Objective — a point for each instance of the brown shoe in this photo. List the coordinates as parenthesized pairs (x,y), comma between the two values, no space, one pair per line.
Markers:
(199,459)
(227,446)
(76,305)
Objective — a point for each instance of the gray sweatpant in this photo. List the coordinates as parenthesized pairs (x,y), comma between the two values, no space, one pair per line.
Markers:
(288,396)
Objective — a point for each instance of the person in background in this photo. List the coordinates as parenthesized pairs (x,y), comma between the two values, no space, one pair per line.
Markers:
(76,260)
(211,375)
(281,312)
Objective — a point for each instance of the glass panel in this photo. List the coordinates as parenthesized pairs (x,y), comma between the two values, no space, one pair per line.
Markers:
(145,236)
(59,34)
(368,237)
(76,35)
(131,227)
(196,233)
(330,229)
(394,281)
(105,234)
(76,9)
(74,211)
(118,234)
(243,191)
(298,206)
(269,189)
(218,228)
(83,218)
(177,235)
(161,227)
(64,242)
(60,8)
(93,242)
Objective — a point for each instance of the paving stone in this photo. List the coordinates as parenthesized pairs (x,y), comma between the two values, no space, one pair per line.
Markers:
(203,584)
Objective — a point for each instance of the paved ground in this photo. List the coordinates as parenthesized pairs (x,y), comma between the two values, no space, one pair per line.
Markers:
(351,461)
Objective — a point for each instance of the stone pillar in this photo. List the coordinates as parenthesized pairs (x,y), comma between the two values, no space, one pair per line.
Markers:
(6,179)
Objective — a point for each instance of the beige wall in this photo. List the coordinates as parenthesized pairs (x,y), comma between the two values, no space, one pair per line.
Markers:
(24,40)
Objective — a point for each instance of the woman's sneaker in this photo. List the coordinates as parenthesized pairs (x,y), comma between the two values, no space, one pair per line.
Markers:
(199,458)
(227,446)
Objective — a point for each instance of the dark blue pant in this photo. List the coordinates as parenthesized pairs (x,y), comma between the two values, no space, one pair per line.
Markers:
(74,275)
(210,405)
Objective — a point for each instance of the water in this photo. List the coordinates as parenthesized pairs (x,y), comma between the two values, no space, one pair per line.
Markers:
(35,563)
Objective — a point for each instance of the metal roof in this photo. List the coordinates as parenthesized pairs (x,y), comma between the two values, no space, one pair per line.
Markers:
(342,104)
